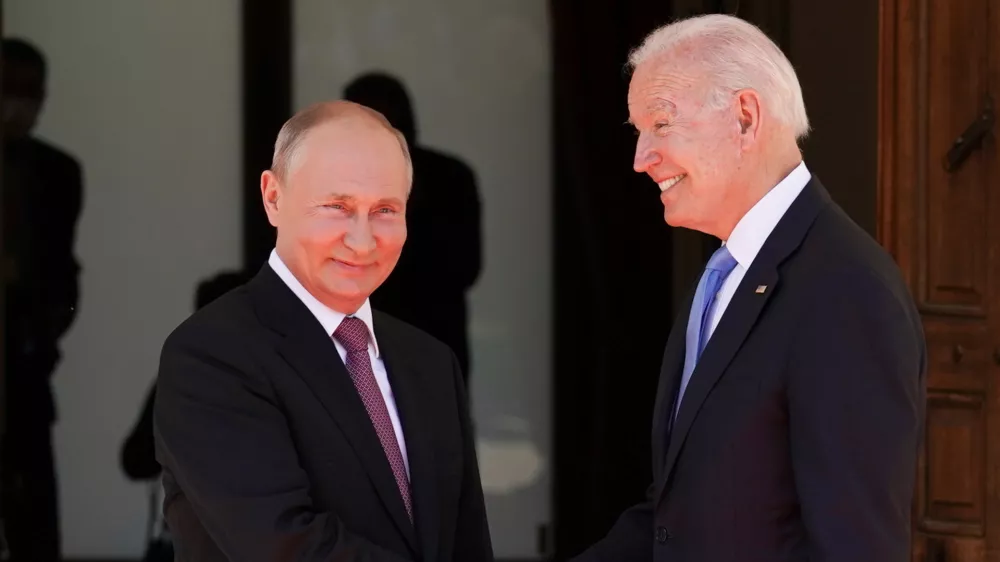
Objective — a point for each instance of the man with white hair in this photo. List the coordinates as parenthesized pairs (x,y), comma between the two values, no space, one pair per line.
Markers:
(791,398)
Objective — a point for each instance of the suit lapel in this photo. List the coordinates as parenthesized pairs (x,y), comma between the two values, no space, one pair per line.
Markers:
(313,355)
(408,386)
(740,316)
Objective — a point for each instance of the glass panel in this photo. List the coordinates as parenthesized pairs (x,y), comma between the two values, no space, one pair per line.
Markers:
(478,77)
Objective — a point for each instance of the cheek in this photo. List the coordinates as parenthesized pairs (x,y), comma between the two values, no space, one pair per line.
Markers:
(715,158)
(321,231)
(390,233)
(709,166)
(684,153)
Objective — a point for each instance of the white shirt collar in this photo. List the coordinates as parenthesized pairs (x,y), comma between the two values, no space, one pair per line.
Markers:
(753,229)
(330,319)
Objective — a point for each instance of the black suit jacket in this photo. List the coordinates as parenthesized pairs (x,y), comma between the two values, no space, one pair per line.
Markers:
(798,434)
(43,195)
(269,453)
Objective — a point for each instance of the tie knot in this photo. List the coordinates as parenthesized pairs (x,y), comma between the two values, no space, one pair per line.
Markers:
(352,334)
(722,261)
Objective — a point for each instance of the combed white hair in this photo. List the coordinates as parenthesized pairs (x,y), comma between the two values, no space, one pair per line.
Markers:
(737,55)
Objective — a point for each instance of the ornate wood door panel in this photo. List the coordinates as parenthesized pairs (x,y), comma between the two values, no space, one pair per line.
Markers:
(939,214)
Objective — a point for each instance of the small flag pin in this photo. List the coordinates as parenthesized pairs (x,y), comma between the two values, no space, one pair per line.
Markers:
(760,289)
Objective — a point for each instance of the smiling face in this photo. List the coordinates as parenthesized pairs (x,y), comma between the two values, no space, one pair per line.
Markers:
(692,150)
(340,209)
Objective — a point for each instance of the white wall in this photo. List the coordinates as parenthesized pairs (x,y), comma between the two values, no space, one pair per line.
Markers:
(146,95)
(479,73)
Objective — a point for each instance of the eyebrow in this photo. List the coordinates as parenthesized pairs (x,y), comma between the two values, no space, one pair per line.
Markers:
(662,105)
(393,200)
(656,105)
(351,198)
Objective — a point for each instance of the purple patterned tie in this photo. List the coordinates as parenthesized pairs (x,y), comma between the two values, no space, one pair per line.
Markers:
(353,335)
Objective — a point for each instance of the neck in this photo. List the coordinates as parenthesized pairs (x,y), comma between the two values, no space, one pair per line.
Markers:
(15,139)
(346,307)
(769,174)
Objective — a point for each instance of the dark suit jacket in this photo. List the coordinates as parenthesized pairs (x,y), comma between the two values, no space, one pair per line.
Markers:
(43,194)
(798,435)
(269,453)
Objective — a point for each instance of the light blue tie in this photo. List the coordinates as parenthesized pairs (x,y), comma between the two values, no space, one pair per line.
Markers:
(719,267)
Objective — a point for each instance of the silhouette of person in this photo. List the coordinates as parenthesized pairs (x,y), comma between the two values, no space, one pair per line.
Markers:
(138,454)
(442,258)
(138,457)
(42,196)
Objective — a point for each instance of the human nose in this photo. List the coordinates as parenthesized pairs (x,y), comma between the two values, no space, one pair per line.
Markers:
(645,155)
(359,238)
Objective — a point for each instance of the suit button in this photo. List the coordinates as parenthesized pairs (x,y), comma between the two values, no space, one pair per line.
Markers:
(662,535)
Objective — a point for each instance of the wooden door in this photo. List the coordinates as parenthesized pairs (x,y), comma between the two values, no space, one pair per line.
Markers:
(939,67)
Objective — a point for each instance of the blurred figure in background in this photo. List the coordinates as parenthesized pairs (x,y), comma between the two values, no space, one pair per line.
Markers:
(443,254)
(138,456)
(42,196)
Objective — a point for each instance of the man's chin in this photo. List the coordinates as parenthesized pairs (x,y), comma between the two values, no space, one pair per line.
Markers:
(672,219)
(675,217)
(344,299)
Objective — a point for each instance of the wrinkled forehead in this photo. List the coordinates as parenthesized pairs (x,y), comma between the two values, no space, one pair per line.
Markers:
(666,84)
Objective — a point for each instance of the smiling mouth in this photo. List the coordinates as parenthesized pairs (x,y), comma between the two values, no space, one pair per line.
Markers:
(668,183)
(350,265)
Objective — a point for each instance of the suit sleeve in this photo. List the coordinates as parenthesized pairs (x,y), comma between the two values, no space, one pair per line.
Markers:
(472,531)
(631,538)
(856,406)
(225,441)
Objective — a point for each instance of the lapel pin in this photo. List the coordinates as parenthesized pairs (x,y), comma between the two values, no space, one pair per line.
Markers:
(760,289)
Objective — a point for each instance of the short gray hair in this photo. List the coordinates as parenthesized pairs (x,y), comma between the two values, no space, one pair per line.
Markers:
(737,55)
(295,130)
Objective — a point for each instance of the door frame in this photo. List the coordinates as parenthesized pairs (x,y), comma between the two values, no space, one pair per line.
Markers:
(890,129)
(266,54)
(898,164)
(3,290)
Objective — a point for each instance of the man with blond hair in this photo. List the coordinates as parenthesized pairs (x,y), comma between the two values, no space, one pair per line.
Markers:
(293,422)
(791,400)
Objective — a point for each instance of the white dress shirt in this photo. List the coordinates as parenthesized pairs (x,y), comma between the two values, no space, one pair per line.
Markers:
(330,320)
(751,232)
